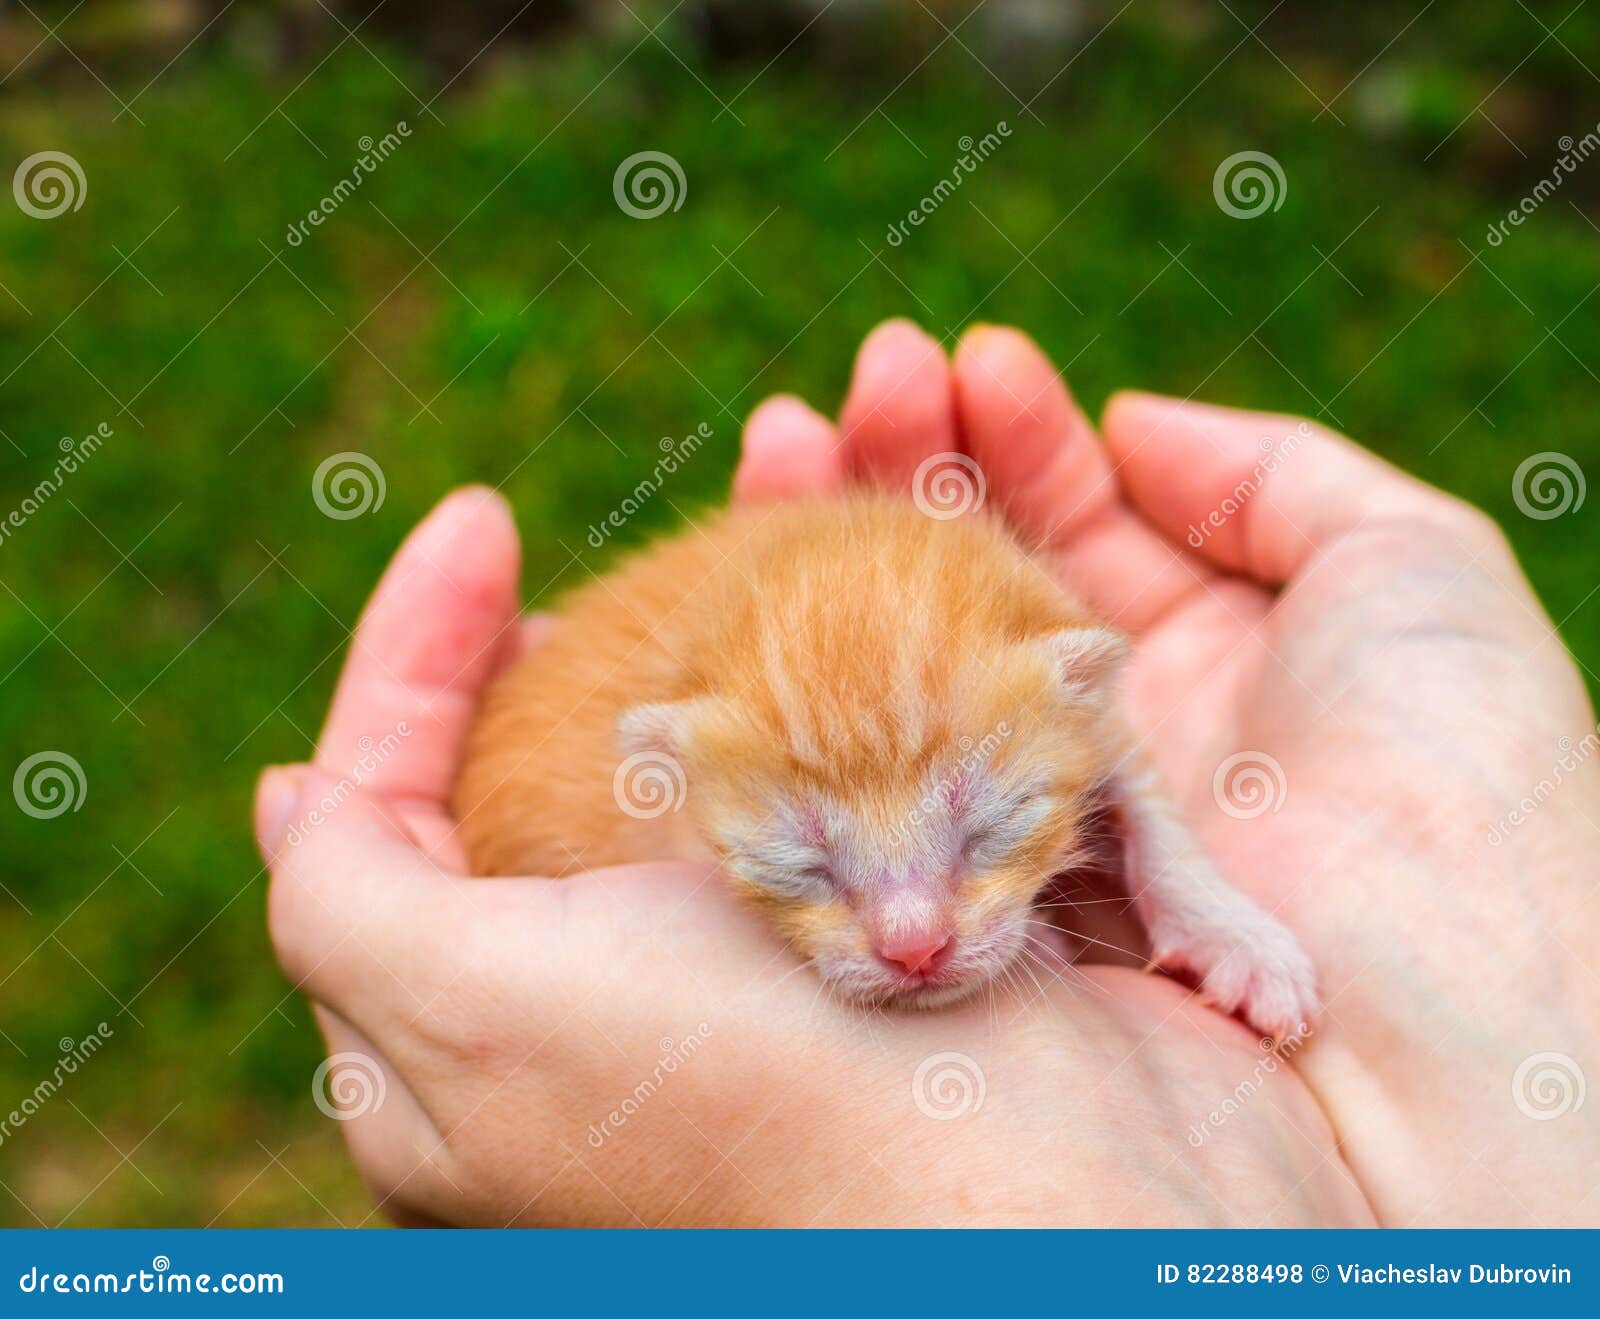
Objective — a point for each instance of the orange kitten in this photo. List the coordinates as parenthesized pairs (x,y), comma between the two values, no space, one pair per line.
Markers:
(891,730)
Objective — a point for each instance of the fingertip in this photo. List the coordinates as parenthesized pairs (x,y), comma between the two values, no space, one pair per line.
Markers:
(789,449)
(1253,492)
(1005,383)
(476,495)
(779,411)
(535,629)
(465,506)
(1141,409)
(277,793)
(335,811)
(999,345)
(1021,423)
(529,634)
(896,333)
(893,352)
(900,408)
(1174,458)
(461,569)
(1123,405)
(475,522)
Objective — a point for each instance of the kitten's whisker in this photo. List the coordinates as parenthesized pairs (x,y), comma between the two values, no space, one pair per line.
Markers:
(1106,943)
(1033,958)
(1083,902)
(1067,971)
(1040,993)
(787,975)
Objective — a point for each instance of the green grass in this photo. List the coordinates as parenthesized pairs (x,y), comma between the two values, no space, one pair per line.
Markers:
(546,346)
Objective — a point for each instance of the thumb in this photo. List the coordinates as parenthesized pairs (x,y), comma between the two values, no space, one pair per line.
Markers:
(1259,493)
(349,886)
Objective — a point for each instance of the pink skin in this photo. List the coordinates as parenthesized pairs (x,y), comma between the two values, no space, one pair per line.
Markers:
(910,929)
(485,1004)
(938,968)
(907,913)
(1341,579)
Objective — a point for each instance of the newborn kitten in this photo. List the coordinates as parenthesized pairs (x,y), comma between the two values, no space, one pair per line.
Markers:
(891,730)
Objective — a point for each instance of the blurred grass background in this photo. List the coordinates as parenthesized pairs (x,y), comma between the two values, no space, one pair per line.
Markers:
(481,310)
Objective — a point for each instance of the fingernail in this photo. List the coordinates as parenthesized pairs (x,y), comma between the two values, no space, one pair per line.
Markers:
(277,794)
(1135,398)
(467,500)
(776,419)
(894,325)
(899,329)
(1145,398)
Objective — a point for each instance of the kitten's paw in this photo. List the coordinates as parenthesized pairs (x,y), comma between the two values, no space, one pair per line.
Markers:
(1246,963)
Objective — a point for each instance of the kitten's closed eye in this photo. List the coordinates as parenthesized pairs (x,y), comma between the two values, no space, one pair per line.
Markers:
(800,873)
(998,829)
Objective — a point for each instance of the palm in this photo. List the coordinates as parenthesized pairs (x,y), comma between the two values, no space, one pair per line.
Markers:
(483,1003)
(486,1003)
(1371,647)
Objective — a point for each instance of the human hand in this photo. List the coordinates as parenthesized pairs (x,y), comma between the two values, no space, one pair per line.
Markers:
(510,1023)
(1363,650)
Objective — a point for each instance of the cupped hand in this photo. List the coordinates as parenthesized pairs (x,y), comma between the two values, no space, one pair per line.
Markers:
(630,1046)
(1350,686)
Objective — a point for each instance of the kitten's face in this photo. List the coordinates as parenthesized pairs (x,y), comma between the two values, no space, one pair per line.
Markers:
(902,855)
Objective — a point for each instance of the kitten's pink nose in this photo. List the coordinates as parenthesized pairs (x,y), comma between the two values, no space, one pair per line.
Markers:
(915,952)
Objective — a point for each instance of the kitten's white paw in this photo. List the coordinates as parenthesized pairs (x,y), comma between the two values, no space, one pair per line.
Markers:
(1245,963)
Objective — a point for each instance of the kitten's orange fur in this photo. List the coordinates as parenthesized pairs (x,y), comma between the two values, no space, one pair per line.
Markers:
(807,684)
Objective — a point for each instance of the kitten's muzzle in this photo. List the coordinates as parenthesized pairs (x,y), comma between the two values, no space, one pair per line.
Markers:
(918,955)
(911,932)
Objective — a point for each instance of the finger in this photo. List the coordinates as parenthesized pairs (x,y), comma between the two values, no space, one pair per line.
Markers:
(358,912)
(429,639)
(392,1141)
(1128,575)
(789,450)
(1040,457)
(1255,492)
(900,409)
(530,632)
(1045,467)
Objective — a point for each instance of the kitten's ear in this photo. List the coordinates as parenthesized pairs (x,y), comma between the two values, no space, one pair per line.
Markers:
(660,727)
(1087,659)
